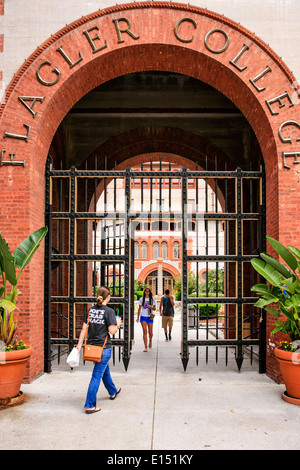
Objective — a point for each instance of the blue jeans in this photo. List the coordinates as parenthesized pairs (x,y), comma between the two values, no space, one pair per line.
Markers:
(101,371)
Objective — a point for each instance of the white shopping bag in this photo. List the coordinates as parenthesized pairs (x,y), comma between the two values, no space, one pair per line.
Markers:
(73,358)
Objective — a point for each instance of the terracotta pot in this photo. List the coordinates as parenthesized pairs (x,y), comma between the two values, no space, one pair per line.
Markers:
(12,369)
(290,370)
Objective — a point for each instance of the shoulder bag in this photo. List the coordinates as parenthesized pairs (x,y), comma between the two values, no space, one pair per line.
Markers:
(91,352)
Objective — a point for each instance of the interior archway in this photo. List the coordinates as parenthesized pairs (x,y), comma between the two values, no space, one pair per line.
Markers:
(155,111)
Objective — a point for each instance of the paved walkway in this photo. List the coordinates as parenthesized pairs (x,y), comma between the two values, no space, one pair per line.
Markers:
(160,407)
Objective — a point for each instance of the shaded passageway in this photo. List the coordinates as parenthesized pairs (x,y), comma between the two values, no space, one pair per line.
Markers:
(160,407)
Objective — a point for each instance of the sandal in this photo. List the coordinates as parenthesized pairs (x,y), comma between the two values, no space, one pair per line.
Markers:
(114,396)
(90,411)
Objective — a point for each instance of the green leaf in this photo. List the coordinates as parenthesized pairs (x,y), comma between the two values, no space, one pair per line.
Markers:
(273,311)
(294,250)
(285,254)
(296,300)
(291,284)
(265,290)
(276,330)
(276,264)
(260,288)
(286,312)
(28,247)
(7,262)
(261,303)
(267,271)
(7,305)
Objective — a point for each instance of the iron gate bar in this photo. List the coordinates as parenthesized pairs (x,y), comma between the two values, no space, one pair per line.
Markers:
(239,351)
(184,271)
(218,257)
(223,342)
(143,215)
(127,340)
(71,259)
(48,252)
(262,246)
(112,258)
(83,300)
(157,174)
(128,217)
(225,300)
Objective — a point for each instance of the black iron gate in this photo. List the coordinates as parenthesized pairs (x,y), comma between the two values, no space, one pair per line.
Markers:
(92,221)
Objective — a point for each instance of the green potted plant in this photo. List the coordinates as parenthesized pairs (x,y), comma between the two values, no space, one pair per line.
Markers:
(14,353)
(281,298)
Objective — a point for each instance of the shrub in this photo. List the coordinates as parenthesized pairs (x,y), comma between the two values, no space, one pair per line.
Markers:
(139,294)
(177,295)
(207,310)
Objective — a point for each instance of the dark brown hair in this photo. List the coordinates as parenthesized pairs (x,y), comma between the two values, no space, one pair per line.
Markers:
(102,293)
(150,296)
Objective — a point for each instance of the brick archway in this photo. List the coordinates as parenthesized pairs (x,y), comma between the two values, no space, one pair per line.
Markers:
(126,39)
(139,145)
(191,148)
(152,267)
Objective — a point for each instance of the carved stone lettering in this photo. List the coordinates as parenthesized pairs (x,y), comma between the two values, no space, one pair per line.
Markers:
(92,40)
(254,80)
(44,82)
(124,30)
(18,136)
(23,100)
(234,61)
(217,51)
(290,154)
(67,58)
(11,161)
(186,40)
(279,100)
(288,139)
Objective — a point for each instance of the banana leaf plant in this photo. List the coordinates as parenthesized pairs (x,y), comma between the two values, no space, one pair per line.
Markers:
(11,268)
(282,293)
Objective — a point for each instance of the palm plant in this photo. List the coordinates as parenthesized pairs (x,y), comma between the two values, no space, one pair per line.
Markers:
(283,290)
(10,278)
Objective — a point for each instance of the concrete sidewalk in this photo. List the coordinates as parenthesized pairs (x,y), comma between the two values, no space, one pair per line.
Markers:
(160,407)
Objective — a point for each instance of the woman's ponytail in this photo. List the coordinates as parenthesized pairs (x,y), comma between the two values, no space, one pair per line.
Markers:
(102,293)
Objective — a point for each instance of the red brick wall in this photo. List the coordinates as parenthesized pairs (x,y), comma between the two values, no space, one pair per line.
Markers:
(1,51)
(157,48)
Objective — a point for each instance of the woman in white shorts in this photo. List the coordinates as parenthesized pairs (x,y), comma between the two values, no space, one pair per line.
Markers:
(147,305)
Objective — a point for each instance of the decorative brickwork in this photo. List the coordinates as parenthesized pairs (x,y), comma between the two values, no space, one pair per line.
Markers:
(102,46)
(1,72)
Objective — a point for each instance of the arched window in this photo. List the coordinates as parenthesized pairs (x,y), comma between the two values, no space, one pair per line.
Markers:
(164,250)
(144,250)
(155,252)
(136,250)
(191,226)
(176,250)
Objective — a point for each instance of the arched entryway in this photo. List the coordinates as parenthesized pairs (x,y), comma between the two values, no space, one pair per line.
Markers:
(193,42)
(116,222)
(167,282)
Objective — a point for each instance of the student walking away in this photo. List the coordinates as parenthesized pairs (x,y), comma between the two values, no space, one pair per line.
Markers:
(101,323)
(167,312)
(147,305)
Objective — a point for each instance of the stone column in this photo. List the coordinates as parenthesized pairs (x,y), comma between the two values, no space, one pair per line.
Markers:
(160,286)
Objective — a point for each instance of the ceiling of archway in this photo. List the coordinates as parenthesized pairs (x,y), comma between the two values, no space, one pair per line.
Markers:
(151,100)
